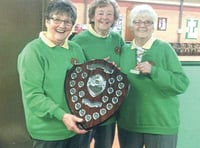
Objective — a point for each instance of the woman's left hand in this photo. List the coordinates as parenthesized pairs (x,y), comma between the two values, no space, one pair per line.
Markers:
(144,67)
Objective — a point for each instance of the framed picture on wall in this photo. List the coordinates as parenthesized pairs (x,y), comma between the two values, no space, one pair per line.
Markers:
(192,29)
(162,24)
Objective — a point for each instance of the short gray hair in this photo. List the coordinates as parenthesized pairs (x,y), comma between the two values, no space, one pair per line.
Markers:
(62,6)
(143,10)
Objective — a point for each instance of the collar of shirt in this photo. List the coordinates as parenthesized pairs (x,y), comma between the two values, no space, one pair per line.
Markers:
(91,30)
(50,43)
(147,45)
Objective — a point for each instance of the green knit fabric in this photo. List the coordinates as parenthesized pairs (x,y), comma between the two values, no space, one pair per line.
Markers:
(42,71)
(152,105)
(99,48)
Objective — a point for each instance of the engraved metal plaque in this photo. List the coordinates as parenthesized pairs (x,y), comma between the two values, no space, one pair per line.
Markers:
(94,91)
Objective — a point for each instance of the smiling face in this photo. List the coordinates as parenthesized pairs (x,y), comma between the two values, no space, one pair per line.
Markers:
(58,28)
(142,28)
(103,19)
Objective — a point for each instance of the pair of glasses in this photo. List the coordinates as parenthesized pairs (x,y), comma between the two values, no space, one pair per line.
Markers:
(146,23)
(59,21)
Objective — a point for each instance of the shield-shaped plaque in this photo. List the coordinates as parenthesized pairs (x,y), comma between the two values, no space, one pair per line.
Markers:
(94,91)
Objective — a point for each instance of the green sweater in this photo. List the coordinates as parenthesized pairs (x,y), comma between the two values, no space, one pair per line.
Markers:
(42,71)
(152,105)
(99,48)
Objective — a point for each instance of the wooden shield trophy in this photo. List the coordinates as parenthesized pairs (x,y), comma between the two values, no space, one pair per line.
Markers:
(94,91)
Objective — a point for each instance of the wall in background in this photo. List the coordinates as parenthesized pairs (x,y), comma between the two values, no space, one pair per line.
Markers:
(20,23)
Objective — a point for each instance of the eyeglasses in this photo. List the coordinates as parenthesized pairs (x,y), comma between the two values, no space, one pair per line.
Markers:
(146,23)
(59,21)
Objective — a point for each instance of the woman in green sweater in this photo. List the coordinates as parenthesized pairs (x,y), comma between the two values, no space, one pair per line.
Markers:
(42,67)
(99,42)
(149,115)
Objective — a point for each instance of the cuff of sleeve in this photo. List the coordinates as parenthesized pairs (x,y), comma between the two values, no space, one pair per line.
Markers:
(59,113)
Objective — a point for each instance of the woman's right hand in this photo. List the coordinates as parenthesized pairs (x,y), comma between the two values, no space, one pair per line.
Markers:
(71,121)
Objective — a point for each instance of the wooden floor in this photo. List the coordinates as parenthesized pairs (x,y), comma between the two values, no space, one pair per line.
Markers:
(115,143)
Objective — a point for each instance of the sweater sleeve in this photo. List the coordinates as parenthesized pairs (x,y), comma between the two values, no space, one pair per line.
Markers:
(31,75)
(169,75)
